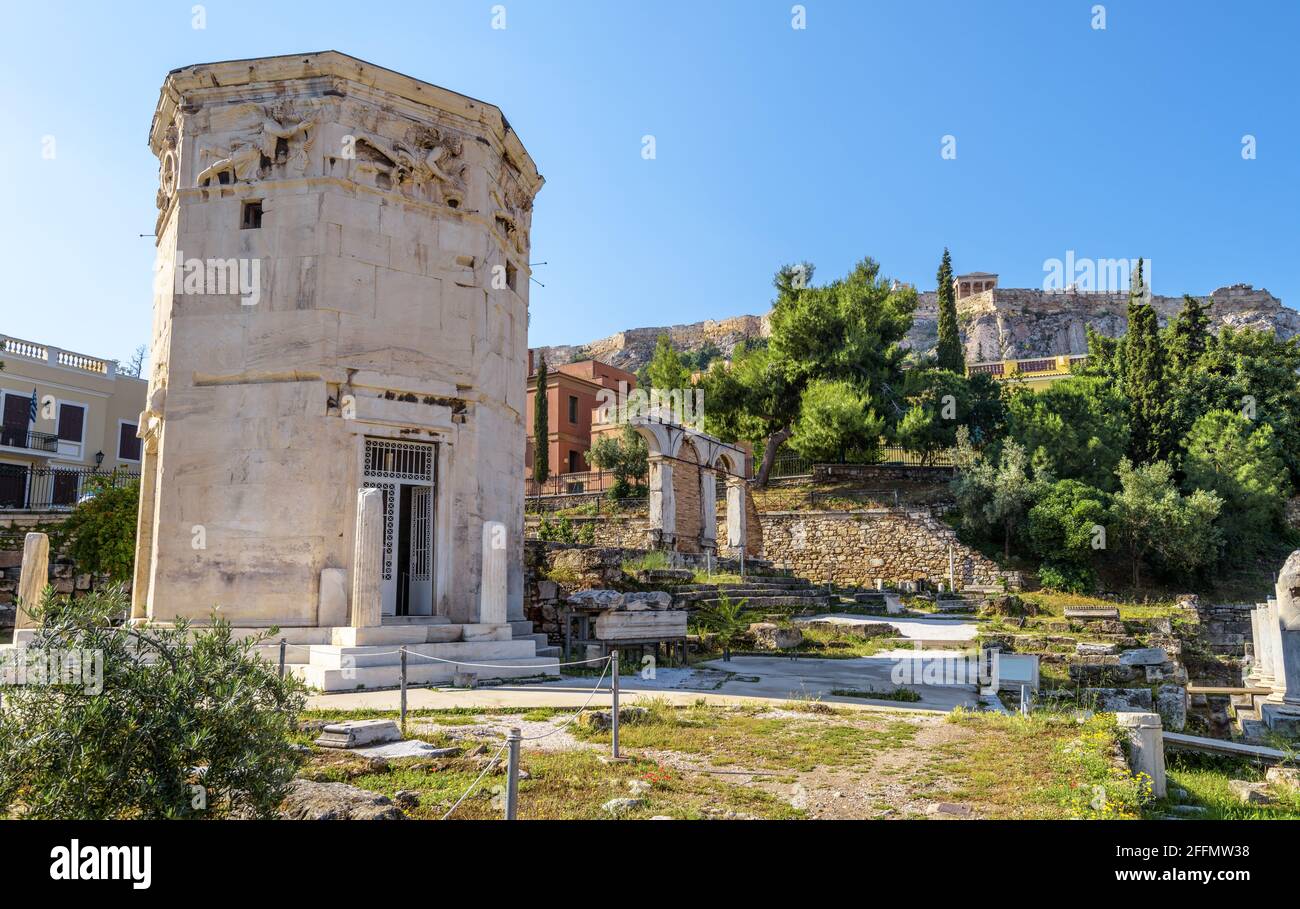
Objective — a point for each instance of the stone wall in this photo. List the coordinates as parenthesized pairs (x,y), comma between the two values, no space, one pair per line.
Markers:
(686,492)
(63,575)
(880,473)
(858,547)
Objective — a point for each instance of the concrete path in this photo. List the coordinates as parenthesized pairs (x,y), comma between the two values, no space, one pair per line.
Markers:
(915,629)
(743,680)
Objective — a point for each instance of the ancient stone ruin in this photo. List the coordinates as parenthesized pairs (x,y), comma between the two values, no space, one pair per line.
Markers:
(341,307)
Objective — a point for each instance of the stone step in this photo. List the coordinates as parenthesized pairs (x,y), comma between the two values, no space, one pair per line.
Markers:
(550,651)
(331,679)
(734,592)
(759,603)
(309,635)
(470,651)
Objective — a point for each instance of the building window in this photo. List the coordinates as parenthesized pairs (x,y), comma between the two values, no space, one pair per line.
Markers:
(72,422)
(573,409)
(512,277)
(573,462)
(251,215)
(128,446)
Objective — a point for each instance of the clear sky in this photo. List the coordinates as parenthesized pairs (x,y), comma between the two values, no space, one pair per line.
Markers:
(773,144)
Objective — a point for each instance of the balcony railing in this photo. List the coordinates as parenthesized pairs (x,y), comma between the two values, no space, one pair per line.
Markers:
(43,353)
(21,437)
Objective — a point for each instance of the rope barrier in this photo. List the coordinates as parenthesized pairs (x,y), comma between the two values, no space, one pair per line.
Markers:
(574,718)
(474,785)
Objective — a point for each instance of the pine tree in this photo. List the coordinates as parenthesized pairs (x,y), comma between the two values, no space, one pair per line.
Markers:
(950,353)
(541,428)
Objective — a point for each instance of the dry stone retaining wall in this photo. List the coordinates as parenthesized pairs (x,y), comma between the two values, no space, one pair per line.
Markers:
(857,547)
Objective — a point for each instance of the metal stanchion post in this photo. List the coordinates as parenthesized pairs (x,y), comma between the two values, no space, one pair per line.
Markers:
(512,774)
(403,651)
(283,646)
(614,713)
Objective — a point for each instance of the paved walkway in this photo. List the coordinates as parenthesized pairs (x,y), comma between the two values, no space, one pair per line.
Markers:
(915,629)
(746,679)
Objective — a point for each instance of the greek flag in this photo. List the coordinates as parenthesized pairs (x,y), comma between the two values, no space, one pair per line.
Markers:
(31,407)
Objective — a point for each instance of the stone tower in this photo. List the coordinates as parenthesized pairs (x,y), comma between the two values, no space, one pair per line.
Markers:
(341,303)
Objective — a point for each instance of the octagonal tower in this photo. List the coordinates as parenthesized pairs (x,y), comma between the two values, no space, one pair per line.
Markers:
(341,302)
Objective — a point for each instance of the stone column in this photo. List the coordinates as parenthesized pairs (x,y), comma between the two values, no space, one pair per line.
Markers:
(1273,640)
(1287,667)
(1253,675)
(33,580)
(1147,747)
(708,509)
(663,506)
(492,585)
(737,515)
(367,560)
(1263,673)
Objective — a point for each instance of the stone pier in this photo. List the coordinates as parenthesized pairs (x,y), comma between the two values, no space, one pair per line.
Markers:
(32,581)
(492,592)
(367,560)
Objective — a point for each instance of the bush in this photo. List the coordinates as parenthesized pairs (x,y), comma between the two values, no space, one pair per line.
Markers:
(100,532)
(1067,578)
(188,722)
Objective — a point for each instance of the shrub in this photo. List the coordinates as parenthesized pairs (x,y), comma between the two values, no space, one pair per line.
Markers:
(188,722)
(1067,578)
(100,532)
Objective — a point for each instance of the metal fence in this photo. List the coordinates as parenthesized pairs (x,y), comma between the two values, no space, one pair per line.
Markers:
(32,488)
(788,465)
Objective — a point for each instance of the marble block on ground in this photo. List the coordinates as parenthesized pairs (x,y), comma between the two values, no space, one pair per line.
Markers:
(359,733)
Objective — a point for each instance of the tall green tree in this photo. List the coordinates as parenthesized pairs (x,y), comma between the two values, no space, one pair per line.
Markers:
(666,369)
(541,428)
(1189,336)
(1144,380)
(837,422)
(1157,523)
(950,353)
(846,331)
(995,497)
(1079,424)
(1239,460)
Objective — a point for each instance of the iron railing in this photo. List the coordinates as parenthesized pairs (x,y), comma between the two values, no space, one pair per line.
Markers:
(30,488)
(20,437)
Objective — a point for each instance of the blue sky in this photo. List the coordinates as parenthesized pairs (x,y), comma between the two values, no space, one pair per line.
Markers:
(773,144)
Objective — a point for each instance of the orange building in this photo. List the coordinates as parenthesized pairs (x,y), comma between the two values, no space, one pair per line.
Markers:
(571,392)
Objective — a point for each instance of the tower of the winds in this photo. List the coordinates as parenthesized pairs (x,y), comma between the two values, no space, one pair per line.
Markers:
(340,304)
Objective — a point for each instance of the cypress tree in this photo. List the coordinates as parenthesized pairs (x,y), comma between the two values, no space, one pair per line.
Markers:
(950,353)
(1189,336)
(541,428)
(1144,380)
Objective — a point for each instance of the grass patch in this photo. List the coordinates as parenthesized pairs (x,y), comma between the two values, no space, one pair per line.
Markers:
(730,737)
(1205,779)
(1045,765)
(656,560)
(570,785)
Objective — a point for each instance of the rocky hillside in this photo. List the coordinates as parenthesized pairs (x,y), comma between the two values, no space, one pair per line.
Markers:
(1003,323)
